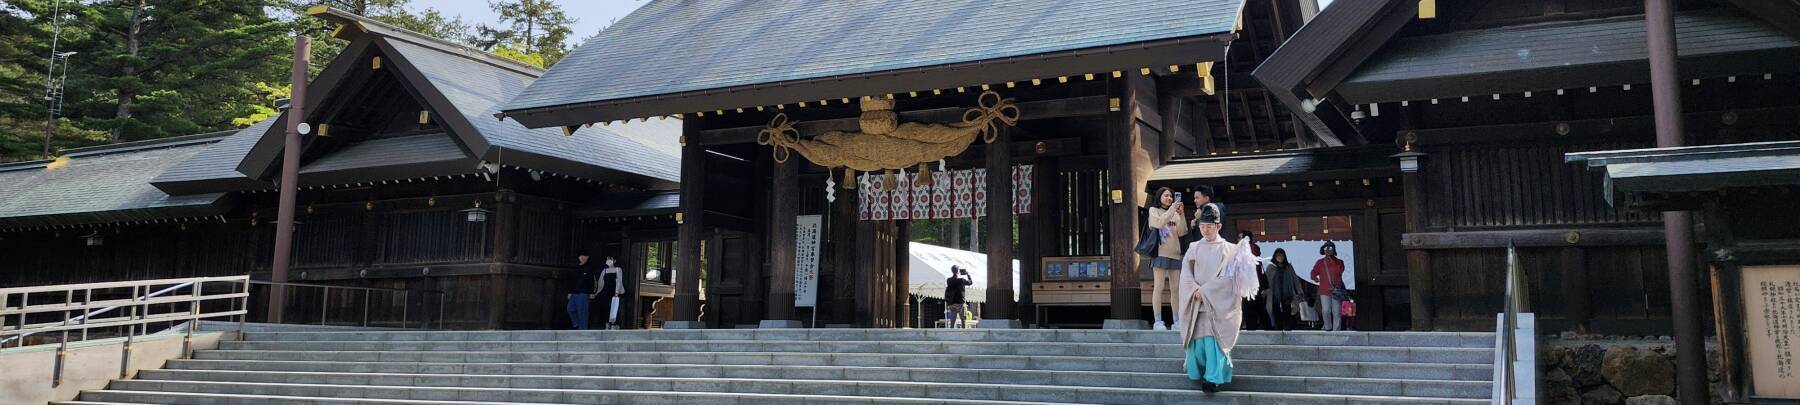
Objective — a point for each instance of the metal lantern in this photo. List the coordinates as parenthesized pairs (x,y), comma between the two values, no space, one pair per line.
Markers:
(94,239)
(476,214)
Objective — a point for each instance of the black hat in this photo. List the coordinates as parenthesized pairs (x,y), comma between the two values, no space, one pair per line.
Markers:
(1211,214)
(1327,245)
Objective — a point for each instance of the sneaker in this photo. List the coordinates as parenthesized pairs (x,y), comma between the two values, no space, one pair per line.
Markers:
(1159,326)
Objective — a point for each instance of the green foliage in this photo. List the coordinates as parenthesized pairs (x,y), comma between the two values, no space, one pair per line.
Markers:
(518,52)
(198,65)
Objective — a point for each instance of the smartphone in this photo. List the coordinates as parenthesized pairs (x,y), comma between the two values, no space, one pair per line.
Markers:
(1177,196)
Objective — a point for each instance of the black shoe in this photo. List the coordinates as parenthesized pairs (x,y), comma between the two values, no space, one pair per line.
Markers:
(1208,387)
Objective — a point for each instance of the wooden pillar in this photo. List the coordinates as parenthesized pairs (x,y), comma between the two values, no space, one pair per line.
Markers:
(1047,195)
(863,265)
(903,272)
(843,254)
(506,218)
(1128,163)
(693,227)
(784,205)
(1575,287)
(1418,261)
(631,280)
(999,309)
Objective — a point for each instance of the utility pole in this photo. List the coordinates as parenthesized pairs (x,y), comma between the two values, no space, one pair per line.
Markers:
(1678,226)
(53,87)
(290,179)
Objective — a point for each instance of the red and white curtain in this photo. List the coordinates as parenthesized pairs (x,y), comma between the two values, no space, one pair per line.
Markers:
(952,194)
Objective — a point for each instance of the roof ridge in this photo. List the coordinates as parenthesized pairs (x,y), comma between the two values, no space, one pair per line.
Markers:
(123,147)
(1638,17)
(434,43)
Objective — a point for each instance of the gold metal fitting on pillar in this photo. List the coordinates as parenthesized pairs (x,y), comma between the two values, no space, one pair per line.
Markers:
(1118,196)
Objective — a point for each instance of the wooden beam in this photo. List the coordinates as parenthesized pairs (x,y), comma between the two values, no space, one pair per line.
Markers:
(1534,238)
(1029,110)
(1615,128)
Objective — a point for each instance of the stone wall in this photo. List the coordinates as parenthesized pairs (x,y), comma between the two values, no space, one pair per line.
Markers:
(1600,370)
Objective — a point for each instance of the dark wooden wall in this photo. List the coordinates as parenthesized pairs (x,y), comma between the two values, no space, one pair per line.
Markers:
(507,272)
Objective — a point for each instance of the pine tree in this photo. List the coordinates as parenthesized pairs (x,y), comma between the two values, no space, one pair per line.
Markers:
(155,68)
(537,27)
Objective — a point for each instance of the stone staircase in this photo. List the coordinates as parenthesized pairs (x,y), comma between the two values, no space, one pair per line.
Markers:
(790,366)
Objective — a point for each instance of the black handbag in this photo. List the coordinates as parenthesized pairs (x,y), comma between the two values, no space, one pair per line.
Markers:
(1147,245)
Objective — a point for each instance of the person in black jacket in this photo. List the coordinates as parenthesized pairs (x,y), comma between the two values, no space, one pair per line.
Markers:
(583,287)
(954,296)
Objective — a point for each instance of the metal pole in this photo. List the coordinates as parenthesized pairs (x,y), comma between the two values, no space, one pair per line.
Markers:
(243,305)
(324,304)
(1678,230)
(84,320)
(130,336)
(405,307)
(187,342)
(440,318)
(365,321)
(24,301)
(290,176)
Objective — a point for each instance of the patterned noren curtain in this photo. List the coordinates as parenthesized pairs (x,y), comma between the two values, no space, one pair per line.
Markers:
(952,194)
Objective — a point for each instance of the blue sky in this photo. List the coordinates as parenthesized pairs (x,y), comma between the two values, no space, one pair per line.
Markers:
(592,14)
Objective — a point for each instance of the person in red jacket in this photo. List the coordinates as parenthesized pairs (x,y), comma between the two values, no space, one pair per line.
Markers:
(1329,273)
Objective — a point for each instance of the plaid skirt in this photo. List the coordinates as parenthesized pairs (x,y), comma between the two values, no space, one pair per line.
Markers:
(1165,263)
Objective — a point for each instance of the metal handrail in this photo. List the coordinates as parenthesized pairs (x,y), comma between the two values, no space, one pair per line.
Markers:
(137,322)
(104,307)
(1517,301)
(404,295)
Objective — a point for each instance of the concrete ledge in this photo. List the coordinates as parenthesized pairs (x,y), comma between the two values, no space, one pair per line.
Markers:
(780,324)
(1000,324)
(684,325)
(1125,324)
(29,376)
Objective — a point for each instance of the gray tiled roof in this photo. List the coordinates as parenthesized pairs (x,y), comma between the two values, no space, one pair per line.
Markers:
(1696,168)
(1305,161)
(673,46)
(1542,54)
(105,184)
(218,161)
(389,152)
(477,88)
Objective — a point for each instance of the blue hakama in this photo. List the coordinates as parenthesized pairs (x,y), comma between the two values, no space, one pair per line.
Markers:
(1206,360)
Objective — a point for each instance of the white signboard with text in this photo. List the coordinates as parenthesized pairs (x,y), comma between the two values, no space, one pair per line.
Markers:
(806,261)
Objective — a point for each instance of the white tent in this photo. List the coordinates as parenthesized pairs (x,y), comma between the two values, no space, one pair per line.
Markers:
(930,265)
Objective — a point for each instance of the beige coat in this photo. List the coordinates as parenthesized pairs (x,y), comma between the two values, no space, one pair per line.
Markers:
(1219,311)
(1170,246)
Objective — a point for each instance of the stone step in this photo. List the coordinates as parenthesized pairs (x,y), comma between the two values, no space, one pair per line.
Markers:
(1163,380)
(1312,338)
(889,380)
(590,397)
(707,391)
(1445,372)
(966,348)
(1249,352)
(1014,362)
(1059,363)
(93,403)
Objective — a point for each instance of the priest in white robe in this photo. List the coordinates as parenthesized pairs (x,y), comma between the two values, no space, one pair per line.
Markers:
(1216,276)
